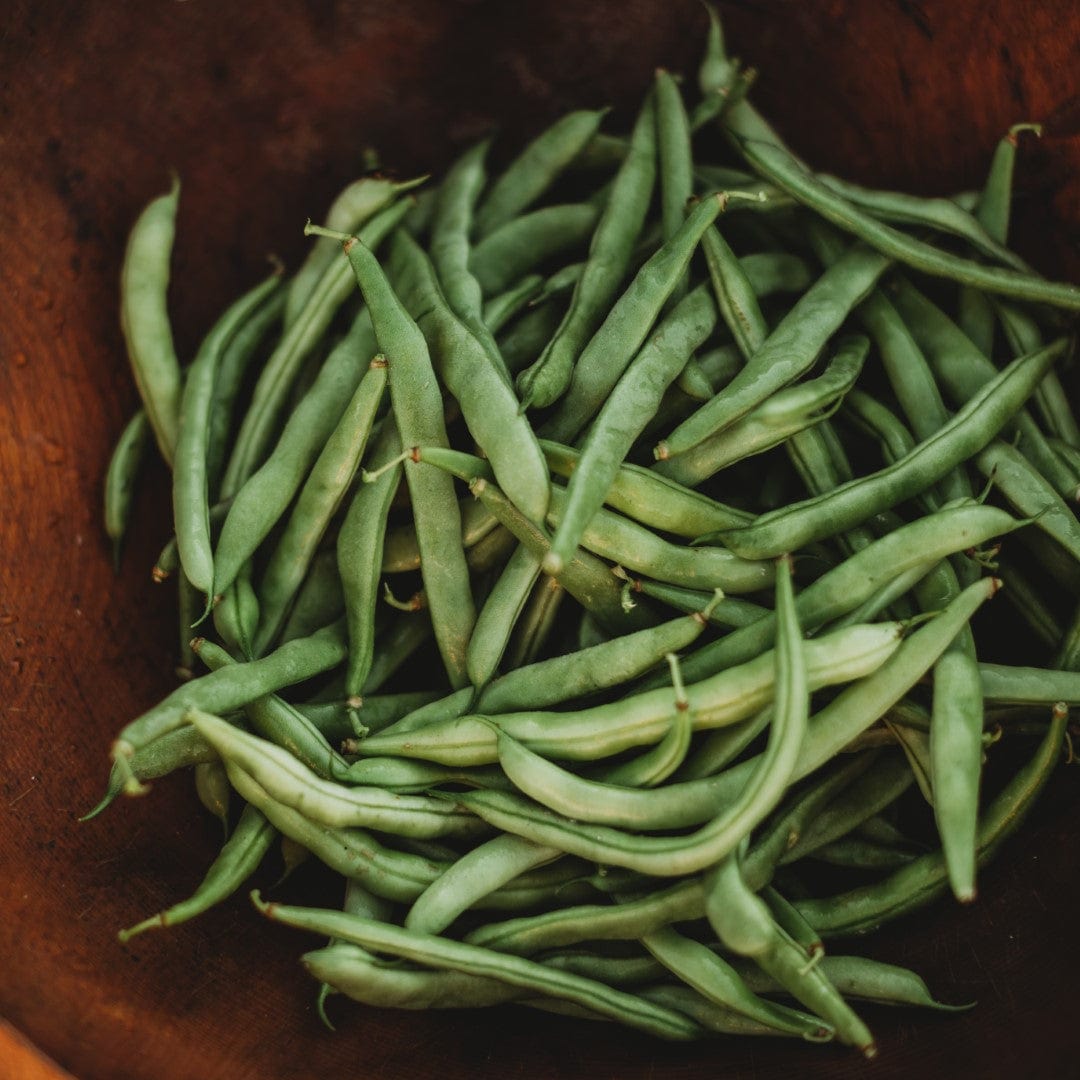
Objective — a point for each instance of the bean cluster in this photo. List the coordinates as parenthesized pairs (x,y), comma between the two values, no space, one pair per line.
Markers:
(587,560)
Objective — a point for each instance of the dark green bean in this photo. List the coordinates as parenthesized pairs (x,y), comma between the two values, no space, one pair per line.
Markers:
(235,863)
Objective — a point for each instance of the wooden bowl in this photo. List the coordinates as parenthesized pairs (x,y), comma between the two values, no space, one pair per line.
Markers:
(264,110)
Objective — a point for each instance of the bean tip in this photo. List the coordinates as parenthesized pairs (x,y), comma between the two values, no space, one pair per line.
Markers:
(158,575)
(661,452)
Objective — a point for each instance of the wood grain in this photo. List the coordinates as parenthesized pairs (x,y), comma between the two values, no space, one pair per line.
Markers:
(265,111)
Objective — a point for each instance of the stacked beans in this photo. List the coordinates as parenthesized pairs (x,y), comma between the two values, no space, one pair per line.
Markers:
(586,560)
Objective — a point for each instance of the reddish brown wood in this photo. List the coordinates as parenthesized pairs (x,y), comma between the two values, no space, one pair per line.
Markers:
(264,110)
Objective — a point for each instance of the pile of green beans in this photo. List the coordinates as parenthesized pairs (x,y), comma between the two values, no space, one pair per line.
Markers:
(586,561)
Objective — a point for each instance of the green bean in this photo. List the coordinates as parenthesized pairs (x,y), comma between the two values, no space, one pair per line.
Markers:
(604,730)
(761,147)
(536,624)
(499,310)
(536,168)
(319,600)
(877,420)
(716,70)
(222,691)
(992,211)
(270,395)
(655,765)
(501,259)
(598,366)
(179,749)
(1024,487)
(571,675)
(713,1018)
(486,398)
(865,979)
(277,721)
(719,748)
(264,497)
(491,552)
(168,560)
(499,614)
(793,924)
(401,775)
(354,972)
(617,229)
(1023,336)
(771,272)
(775,420)
(1016,685)
(120,480)
(860,577)
(925,878)
(651,499)
(235,863)
(996,197)
(624,972)
(788,351)
(940,214)
(623,541)
(232,368)
(457,956)
(905,366)
(857,853)
(962,371)
(728,611)
(401,553)
(318,501)
(626,921)
(354,853)
(585,578)
(973,427)
(475,874)
(191,491)
(377,711)
(144,317)
(360,548)
(714,978)
(674,161)
(623,416)
(449,244)
(288,781)
(418,412)
(879,786)
(743,923)
(953,758)
(355,204)
(736,297)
